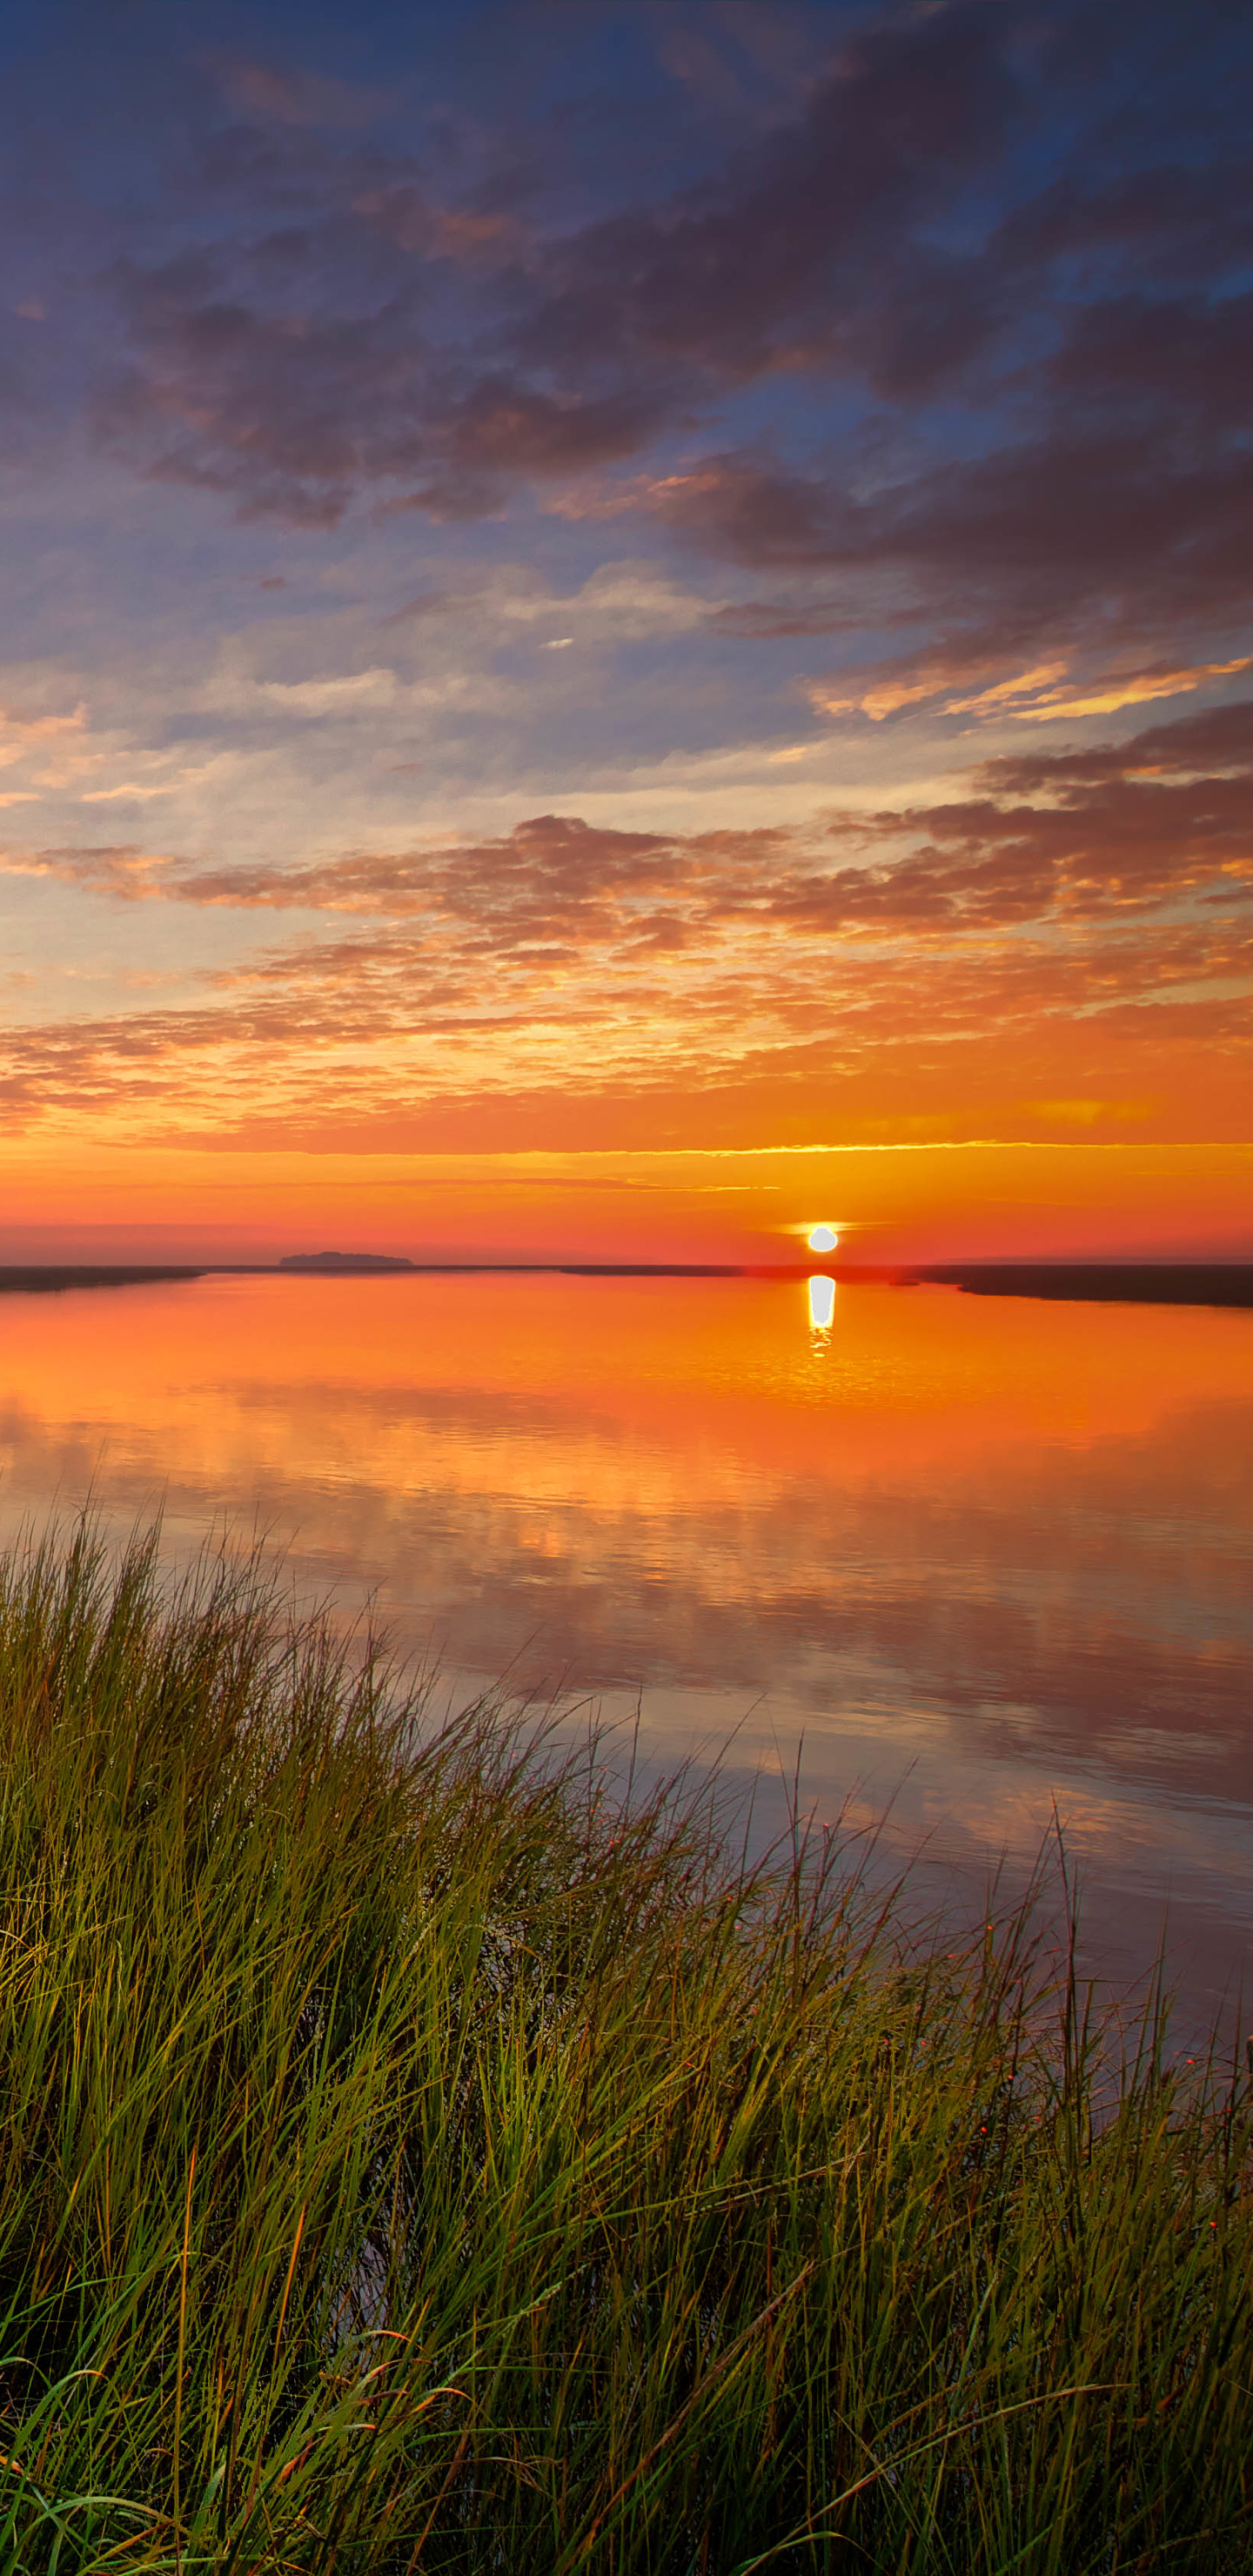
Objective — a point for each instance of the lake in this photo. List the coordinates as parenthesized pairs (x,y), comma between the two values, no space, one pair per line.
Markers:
(971,1562)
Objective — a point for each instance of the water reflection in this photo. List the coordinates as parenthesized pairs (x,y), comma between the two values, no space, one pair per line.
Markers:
(993,1551)
(821,1304)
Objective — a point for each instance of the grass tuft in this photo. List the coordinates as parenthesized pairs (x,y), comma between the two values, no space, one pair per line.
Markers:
(413,2156)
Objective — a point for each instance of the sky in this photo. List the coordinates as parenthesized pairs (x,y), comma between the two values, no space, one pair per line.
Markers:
(626,628)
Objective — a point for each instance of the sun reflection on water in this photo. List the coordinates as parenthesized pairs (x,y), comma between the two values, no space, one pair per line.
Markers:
(821,1304)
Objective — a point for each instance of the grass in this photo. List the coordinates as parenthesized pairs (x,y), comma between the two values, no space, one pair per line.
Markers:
(412,2157)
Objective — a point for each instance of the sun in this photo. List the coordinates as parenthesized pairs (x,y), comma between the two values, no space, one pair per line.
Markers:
(823,1238)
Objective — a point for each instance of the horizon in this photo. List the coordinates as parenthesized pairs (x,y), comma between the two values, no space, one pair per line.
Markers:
(628,632)
(1085,1273)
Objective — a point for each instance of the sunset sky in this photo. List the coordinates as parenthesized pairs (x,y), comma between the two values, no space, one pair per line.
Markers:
(626,627)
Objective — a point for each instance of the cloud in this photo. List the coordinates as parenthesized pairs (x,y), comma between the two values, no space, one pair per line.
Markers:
(21,734)
(116,867)
(129,791)
(770,267)
(1026,394)
(1041,695)
(510,428)
(419,225)
(1163,819)
(1091,909)
(631,600)
(1217,739)
(1045,532)
(346,694)
(275,94)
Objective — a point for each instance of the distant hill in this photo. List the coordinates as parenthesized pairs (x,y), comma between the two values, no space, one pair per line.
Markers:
(337,1262)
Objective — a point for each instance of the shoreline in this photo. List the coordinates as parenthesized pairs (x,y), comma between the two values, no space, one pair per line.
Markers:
(1159,1283)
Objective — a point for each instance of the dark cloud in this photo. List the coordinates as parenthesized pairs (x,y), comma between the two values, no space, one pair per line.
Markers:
(1064,532)
(1218,739)
(766,621)
(510,429)
(1165,818)
(771,267)
(996,288)
(1174,361)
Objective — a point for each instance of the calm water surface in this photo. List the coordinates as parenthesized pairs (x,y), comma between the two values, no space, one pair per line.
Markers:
(982,1560)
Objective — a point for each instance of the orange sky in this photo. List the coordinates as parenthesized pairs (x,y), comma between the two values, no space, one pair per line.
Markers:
(901,1202)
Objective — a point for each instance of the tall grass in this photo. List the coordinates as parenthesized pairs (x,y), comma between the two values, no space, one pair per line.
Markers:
(414,2157)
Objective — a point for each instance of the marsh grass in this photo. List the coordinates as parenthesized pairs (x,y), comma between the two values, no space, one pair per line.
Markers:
(416,2156)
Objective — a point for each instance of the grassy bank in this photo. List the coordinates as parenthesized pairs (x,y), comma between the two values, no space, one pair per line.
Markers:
(415,2162)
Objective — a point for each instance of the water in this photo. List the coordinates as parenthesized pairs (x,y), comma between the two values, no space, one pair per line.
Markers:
(984,1562)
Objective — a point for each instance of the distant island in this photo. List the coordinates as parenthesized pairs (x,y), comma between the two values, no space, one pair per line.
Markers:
(337,1262)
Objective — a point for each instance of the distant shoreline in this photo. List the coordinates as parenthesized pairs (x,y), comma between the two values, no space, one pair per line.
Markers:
(1141,1283)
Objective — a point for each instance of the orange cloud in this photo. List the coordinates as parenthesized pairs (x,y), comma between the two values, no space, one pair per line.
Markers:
(20,734)
(1066,947)
(1043,694)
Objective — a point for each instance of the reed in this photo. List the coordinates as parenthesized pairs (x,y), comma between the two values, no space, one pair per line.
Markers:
(416,2155)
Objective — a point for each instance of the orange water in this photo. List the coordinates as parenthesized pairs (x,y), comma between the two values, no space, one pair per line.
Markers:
(988,1556)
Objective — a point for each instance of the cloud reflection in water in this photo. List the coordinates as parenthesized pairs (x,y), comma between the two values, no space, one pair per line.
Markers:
(995,1550)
